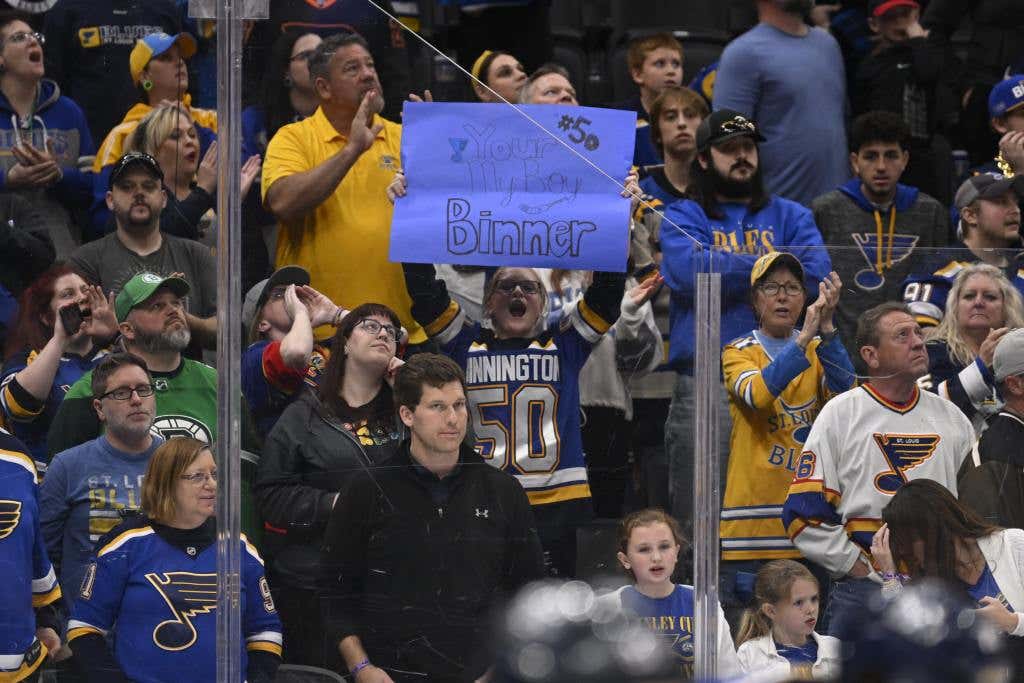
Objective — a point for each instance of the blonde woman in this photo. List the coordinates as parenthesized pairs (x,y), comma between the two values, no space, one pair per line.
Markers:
(981,307)
(168,133)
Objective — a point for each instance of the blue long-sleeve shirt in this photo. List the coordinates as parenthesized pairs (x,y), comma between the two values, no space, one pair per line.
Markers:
(691,242)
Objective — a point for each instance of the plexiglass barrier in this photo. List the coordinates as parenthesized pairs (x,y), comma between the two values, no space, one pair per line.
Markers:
(700,399)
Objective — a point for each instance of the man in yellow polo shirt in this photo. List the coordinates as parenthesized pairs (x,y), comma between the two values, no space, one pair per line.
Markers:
(324,178)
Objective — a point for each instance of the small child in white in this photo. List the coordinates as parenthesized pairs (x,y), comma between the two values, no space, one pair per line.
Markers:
(777,633)
(649,542)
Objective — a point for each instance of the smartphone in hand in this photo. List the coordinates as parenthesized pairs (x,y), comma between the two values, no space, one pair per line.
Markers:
(71,319)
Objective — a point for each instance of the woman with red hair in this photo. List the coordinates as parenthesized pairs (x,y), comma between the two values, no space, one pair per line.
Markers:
(47,351)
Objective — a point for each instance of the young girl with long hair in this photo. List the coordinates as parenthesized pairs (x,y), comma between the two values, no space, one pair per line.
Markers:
(777,631)
(649,543)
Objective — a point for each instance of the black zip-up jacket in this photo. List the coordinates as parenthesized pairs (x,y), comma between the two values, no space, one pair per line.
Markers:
(307,459)
(415,565)
(996,27)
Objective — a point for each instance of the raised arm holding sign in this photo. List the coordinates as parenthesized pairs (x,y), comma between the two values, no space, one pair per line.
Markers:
(486,186)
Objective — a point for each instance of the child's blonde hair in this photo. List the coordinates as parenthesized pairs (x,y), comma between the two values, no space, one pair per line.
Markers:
(646,517)
(774,583)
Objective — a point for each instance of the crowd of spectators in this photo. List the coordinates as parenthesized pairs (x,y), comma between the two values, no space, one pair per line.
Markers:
(423,440)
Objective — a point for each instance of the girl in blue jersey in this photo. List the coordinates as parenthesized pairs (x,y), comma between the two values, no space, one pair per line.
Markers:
(649,542)
(522,384)
(777,633)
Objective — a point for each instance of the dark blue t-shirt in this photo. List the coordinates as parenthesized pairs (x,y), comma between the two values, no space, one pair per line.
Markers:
(670,617)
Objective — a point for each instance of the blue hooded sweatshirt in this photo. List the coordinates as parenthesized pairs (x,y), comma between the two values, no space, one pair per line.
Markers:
(59,121)
(691,242)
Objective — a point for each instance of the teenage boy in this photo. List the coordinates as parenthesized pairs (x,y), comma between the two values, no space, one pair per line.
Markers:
(873,224)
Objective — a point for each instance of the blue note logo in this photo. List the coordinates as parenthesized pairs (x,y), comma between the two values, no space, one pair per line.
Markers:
(10,515)
(459,145)
(881,254)
(902,452)
(187,595)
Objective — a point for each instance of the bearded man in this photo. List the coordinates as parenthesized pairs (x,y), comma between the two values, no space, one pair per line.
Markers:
(727,223)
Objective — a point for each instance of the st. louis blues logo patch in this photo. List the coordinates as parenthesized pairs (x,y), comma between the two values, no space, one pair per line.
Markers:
(881,255)
(902,452)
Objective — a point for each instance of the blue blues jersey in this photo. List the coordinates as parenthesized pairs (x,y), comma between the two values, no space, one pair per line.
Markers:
(28,580)
(162,598)
(987,587)
(524,401)
(28,418)
(925,293)
(523,393)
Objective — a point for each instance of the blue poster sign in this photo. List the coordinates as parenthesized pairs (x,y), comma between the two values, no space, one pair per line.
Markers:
(488,187)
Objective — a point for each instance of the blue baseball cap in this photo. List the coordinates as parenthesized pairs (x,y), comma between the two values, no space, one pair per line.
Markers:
(154,45)
(1006,95)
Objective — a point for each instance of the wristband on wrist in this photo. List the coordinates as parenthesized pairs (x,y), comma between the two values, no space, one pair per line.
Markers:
(360,666)
(338,315)
(828,336)
(889,576)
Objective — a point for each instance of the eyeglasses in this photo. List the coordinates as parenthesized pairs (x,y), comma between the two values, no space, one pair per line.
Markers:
(199,478)
(737,124)
(125,393)
(374,327)
(791,288)
(509,286)
(304,55)
(22,36)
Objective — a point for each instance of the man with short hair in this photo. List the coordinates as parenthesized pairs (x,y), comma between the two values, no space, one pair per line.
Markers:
(280,313)
(731,220)
(136,197)
(874,226)
(863,446)
(791,78)
(989,229)
(1006,117)
(419,551)
(993,484)
(549,84)
(89,488)
(154,327)
(324,179)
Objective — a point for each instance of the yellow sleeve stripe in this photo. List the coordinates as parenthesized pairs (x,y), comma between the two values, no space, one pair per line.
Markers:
(264,646)
(18,411)
(46,598)
(438,325)
(124,538)
(80,631)
(831,497)
(599,324)
(22,460)
(871,525)
(559,494)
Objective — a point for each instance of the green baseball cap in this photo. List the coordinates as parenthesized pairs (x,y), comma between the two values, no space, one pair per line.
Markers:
(141,287)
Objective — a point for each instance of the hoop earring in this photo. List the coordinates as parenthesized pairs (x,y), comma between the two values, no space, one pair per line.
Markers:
(147,85)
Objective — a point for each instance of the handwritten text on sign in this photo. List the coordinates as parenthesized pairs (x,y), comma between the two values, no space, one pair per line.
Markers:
(487,187)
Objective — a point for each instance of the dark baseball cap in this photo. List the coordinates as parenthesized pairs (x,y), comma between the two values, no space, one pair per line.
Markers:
(877,8)
(131,160)
(259,292)
(987,186)
(722,125)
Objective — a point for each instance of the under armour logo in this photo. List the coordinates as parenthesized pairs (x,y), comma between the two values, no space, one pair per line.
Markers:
(482,513)
(191,550)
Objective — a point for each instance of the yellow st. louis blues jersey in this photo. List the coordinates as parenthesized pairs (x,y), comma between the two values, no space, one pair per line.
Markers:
(28,581)
(861,450)
(162,599)
(773,403)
